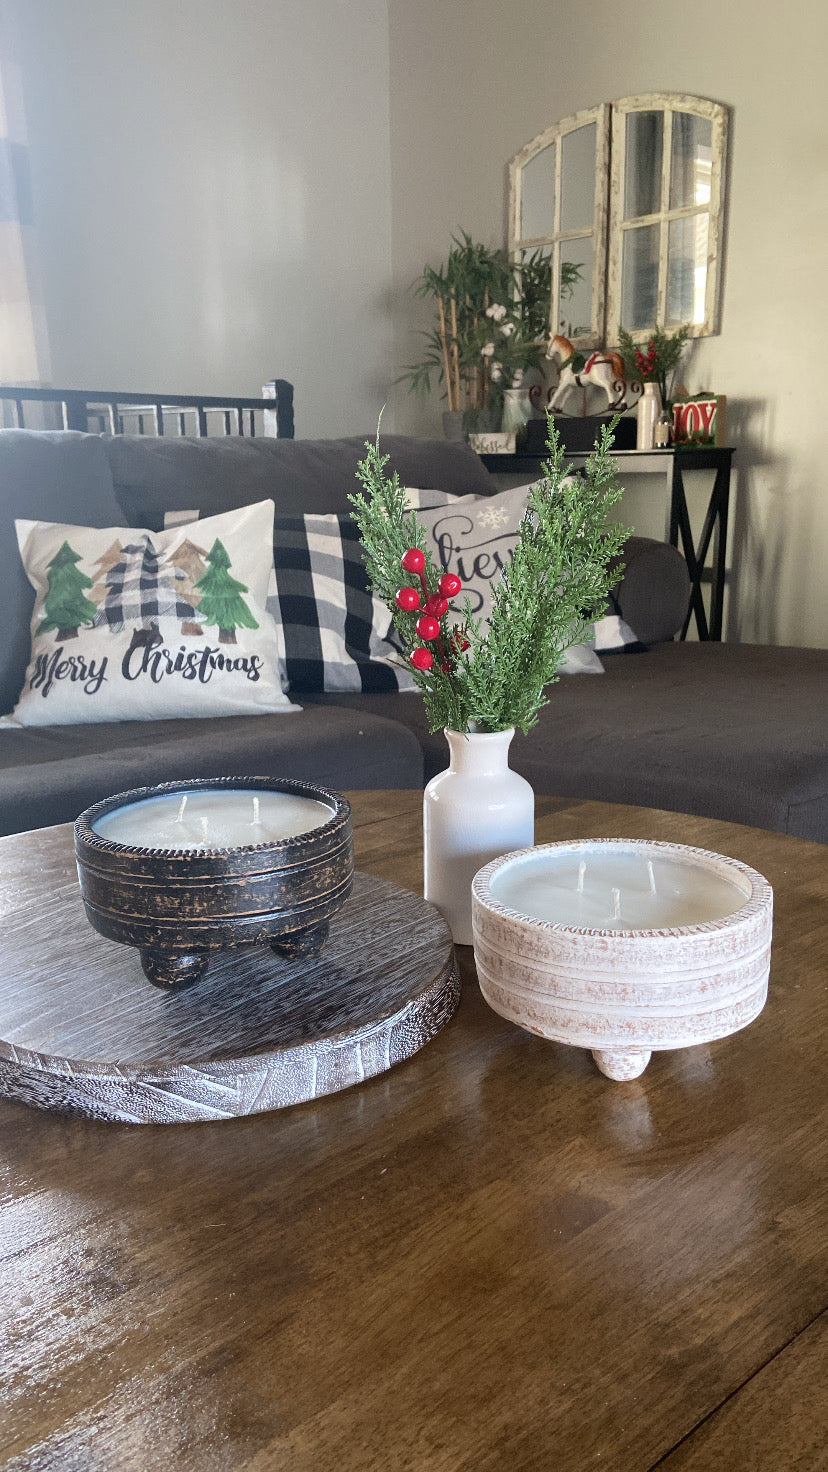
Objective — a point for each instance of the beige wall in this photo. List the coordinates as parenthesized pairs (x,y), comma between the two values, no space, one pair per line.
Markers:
(211,187)
(473,80)
(223,194)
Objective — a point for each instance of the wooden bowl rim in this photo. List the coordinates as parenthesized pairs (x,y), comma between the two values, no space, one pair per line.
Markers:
(758,903)
(86,837)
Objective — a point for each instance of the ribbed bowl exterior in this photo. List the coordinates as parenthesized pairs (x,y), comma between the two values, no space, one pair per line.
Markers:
(219,896)
(648,989)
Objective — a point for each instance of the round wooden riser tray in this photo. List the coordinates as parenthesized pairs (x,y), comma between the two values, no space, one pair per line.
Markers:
(83,1032)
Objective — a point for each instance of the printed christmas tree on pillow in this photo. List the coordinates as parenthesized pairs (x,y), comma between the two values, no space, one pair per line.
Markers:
(130,624)
(66,606)
(221,601)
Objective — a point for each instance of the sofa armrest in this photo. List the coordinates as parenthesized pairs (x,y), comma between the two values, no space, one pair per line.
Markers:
(654,592)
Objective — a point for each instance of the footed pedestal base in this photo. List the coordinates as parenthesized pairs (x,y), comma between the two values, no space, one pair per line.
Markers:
(302,943)
(618,1064)
(173,972)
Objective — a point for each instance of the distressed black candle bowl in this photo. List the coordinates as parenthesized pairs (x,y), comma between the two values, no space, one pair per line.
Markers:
(181,906)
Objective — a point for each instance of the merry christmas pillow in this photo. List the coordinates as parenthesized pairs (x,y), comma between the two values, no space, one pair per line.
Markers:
(133,625)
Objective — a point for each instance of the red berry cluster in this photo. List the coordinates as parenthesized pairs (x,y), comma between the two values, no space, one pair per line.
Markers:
(647,364)
(434,607)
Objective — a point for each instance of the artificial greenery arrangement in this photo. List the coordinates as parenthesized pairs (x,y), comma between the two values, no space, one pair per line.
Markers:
(492,323)
(655,360)
(489,676)
(533,283)
(478,344)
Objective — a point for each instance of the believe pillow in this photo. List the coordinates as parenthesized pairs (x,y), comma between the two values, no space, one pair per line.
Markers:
(135,625)
(335,636)
(474,538)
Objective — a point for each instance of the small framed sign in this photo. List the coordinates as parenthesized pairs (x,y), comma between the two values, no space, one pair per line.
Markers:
(700,421)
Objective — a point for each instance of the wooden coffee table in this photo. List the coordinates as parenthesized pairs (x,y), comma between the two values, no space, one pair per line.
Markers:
(490,1258)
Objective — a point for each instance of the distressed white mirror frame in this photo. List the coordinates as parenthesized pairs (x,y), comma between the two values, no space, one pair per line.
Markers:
(555,238)
(669,104)
(609,226)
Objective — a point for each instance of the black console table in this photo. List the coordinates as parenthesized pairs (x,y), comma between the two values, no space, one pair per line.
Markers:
(670,464)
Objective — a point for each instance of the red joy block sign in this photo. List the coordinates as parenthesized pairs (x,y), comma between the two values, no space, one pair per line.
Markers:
(700,421)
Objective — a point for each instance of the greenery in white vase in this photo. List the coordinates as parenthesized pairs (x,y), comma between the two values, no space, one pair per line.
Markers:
(489,675)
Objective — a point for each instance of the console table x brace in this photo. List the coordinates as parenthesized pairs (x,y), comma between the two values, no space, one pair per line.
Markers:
(670,464)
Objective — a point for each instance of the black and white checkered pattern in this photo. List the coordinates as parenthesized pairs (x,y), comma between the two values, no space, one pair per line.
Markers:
(328,620)
(612,635)
(334,635)
(140,590)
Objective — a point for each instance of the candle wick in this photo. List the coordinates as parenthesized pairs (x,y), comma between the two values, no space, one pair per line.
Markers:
(581,873)
(256,818)
(204,831)
(653,889)
(616,902)
(180,816)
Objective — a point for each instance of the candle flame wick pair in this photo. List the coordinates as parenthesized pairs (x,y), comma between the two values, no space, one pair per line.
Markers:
(179,818)
(616,893)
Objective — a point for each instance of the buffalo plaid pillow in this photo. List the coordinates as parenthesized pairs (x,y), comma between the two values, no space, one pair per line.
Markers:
(611,635)
(329,622)
(333,635)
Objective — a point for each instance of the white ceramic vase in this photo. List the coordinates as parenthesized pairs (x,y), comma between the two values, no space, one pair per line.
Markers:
(473,812)
(517,409)
(649,412)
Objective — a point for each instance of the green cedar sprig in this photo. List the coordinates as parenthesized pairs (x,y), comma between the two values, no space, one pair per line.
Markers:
(552,587)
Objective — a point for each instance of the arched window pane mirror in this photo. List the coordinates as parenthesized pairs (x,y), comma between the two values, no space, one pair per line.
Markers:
(558,213)
(615,214)
(666,204)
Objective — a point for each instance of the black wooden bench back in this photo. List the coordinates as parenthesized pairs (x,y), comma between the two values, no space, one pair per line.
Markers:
(154,414)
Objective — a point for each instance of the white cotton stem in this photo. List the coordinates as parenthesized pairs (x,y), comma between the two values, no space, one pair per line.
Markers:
(204,831)
(616,904)
(180,815)
(651,875)
(256,818)
(581,873)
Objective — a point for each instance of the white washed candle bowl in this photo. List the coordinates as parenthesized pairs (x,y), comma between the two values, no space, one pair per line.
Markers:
(622,946)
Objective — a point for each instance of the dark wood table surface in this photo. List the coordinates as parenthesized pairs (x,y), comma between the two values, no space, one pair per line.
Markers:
(490,1259)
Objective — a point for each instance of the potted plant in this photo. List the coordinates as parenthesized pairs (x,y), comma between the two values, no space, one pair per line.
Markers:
(480,679)
(482,342)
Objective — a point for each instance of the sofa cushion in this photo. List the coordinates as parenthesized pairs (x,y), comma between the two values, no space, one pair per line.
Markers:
(731,731)
(44,476)
(50,774)
(653,594)
(155,476)
(138,625)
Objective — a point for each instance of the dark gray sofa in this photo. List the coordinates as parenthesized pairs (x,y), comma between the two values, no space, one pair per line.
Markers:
(731,731)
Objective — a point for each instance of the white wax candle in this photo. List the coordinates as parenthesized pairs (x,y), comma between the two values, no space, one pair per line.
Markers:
(616,887)
(212,818)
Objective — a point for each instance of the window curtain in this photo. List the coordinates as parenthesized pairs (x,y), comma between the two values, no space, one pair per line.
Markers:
(24,353)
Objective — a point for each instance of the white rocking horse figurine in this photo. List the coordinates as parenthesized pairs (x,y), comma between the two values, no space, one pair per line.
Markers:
(584,370)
